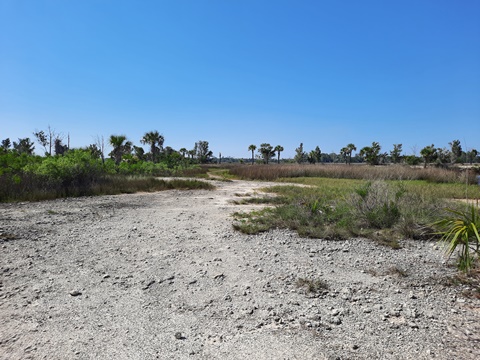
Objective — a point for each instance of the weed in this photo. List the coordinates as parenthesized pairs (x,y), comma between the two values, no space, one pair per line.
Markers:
(376,204)
(7,237)
(470,282)
(396,271)
(242,195)
(311,285)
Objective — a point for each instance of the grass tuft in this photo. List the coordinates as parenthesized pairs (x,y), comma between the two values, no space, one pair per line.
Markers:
(311,285)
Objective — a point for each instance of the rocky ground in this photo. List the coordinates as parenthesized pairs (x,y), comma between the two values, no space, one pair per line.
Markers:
(164,275)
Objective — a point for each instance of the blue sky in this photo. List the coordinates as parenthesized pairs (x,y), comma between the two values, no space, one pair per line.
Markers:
(236,73)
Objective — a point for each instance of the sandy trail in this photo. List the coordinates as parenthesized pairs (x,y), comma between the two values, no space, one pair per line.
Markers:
(164,275)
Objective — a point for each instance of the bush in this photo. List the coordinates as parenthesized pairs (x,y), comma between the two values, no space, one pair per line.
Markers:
(79,173)
(377,204)
(461,230)
(74,172)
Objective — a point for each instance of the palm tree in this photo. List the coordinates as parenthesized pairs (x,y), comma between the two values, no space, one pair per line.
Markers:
(350,148)
(120,147)
(252,148)
(153,138)
(266,150)
(278,149)
(344,153)
(183,151)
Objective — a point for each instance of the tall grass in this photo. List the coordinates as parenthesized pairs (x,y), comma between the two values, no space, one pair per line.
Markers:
(340,171)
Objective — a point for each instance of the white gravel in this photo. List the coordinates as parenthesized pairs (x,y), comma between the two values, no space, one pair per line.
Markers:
(164,275)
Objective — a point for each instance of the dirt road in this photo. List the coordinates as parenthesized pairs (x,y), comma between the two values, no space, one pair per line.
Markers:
(164,275)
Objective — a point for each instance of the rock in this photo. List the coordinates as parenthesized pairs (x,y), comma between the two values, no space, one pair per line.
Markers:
(75,293)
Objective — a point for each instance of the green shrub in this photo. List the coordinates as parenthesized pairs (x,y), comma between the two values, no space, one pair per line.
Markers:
(74,172)
(461,230)
(377,204)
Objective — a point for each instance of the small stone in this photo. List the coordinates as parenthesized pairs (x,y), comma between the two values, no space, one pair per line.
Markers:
(75,293)
(354,347)
(179,336)
(336,320)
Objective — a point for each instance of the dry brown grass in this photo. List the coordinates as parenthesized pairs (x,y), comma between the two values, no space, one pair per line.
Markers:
(359,171)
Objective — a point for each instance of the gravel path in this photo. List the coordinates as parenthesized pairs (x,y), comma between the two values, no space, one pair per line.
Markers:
(164,275)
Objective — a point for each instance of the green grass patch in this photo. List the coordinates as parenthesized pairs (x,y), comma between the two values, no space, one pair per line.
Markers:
(220,174)
(384,211)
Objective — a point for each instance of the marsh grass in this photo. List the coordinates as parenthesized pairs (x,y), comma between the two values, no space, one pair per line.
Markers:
(385,212)
(364,172)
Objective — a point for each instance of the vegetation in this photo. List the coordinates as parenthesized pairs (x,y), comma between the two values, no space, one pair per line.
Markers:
(460,229)
(346,152)
(266,151)
(396,153)
(252,148)
(344,201)
(300,155)
(155,141)
(311,285)
(315,156)
(342,208)
(428,153)
(202,152)
(397,172)
(278,149)
(372,154)
(79,172)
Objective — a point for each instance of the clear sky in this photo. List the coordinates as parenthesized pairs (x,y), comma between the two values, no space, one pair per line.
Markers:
(241,72)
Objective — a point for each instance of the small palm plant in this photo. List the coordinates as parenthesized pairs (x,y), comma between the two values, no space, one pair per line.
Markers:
(461,230)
